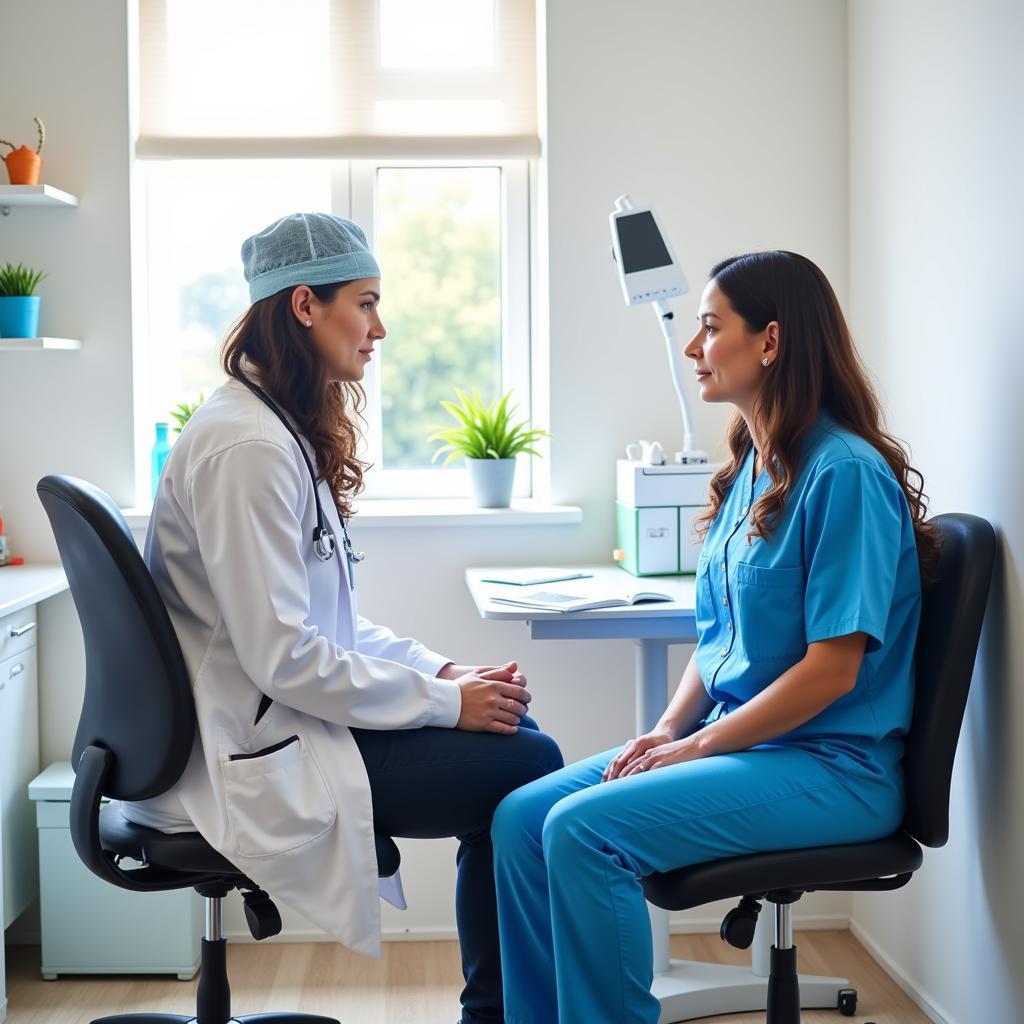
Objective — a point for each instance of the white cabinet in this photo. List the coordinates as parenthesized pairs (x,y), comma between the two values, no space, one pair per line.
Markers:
(21,587)
(92,927)
(3,965)
(19,765)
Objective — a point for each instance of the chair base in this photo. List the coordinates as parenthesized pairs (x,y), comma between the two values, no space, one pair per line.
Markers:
(251,1018)
(690,989)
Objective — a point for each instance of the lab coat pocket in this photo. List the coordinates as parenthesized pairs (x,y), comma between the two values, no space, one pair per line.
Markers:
(769,609)
(276,798)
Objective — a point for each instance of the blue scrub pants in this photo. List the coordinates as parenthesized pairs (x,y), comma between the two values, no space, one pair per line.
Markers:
(570,851)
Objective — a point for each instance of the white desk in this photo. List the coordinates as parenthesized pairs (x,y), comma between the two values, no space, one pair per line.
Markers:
(651,627)
(22,587)
(687,989)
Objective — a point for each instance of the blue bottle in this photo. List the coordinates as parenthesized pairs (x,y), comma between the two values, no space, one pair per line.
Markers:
(161,449)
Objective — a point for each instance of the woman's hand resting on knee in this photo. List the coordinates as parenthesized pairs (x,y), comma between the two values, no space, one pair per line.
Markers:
(633,751)
(493,699)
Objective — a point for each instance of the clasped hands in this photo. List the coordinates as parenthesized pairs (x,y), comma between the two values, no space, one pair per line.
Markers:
(494,697)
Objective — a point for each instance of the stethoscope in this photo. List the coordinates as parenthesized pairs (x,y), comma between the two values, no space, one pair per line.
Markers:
(324,543)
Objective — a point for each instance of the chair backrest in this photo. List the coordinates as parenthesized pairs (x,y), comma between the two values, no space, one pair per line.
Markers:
(947,643)
(138,699)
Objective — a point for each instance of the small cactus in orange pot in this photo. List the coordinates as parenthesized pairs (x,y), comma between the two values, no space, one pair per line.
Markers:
(24,164)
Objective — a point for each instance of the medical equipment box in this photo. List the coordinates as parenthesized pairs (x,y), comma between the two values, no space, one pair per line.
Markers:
(655,510)
(89,926)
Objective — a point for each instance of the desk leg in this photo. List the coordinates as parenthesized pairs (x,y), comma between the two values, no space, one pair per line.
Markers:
(689,989)
(651,699)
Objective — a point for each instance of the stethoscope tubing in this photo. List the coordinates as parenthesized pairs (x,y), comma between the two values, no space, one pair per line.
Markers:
(324,543)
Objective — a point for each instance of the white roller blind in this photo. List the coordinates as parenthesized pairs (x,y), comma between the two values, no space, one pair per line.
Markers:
(337,78)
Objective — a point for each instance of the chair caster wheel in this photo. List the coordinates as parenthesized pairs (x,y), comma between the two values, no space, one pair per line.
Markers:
(739,924)
(261,915)
(847,1001)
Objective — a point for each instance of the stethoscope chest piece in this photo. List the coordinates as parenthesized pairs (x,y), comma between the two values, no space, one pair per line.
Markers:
(323,543)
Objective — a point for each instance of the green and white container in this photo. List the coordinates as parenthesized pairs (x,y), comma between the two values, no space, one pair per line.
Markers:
(655,510)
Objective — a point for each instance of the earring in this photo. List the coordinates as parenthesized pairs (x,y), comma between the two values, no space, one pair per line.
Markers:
(764,362)
(309,323)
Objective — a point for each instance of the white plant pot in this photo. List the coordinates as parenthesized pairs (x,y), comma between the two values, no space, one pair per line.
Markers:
(492,481)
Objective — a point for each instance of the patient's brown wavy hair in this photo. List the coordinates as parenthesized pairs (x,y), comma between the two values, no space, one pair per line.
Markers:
(817,368)
(292,372)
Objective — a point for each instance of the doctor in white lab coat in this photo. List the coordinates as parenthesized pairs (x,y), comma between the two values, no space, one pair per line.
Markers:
(316,727)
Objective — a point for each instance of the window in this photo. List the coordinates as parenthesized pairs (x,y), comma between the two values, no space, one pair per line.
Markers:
(438,181)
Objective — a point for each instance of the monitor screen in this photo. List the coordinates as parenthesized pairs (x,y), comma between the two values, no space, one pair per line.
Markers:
(640,243)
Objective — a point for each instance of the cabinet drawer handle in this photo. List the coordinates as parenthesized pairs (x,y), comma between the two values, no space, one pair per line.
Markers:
(16,670)
(22,630)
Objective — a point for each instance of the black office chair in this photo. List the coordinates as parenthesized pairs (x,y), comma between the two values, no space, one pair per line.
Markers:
(947,642)
(134,739)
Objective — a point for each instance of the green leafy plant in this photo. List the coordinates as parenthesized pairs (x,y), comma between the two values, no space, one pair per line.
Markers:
(19,280)
(41,131)
(182,413)
(484,431)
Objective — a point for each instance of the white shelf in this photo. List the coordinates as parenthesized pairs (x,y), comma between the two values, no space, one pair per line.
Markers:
(30,344)
(35,195)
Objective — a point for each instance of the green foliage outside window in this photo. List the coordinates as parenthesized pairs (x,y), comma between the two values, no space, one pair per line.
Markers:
(439,250)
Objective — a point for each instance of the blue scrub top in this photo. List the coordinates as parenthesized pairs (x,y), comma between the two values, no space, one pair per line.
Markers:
(841,559)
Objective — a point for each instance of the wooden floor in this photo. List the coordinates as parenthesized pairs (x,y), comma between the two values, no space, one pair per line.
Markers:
(413,983)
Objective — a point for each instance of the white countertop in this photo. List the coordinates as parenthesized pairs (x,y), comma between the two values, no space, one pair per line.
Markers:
(22,585)
(53,783)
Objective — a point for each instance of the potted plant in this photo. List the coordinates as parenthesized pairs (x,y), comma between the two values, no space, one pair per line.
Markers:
(489,441)
(24,164)
(19,307)
(183,413)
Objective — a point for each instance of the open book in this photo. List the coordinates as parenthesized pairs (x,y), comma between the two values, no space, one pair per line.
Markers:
(551,600)
(532,577)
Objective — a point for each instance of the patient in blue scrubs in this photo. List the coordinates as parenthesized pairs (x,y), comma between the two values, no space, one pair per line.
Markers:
(787,727)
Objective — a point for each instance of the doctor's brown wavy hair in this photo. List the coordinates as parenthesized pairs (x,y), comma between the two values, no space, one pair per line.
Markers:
(292,373)
(817,368)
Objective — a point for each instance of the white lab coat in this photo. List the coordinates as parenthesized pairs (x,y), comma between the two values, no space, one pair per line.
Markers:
(256,612)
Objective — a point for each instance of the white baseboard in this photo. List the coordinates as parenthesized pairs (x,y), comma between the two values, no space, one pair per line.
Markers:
(898,973)
(691,926)
(803,923)
(387,935)
(419,935)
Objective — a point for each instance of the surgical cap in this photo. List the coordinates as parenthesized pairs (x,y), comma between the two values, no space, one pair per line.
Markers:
(306,248)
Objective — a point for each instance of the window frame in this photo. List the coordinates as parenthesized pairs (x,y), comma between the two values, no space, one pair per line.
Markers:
(353,195)
(515,328)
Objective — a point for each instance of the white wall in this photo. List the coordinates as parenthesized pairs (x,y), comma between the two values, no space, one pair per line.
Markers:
(729,116)
(68,411)
(936,215)
(731,119)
